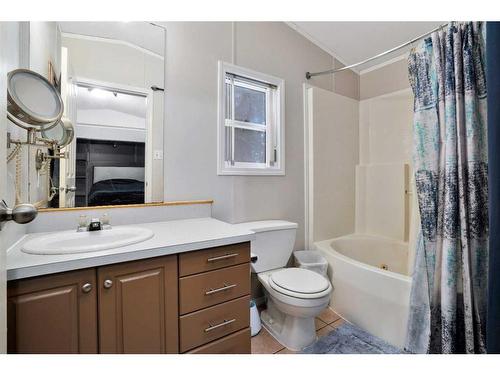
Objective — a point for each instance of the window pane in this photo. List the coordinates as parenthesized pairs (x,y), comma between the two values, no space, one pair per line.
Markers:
(249,146)
(228,142)
(228,101)
(249,105)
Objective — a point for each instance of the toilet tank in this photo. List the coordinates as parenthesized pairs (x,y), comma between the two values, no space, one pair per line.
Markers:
(273,243)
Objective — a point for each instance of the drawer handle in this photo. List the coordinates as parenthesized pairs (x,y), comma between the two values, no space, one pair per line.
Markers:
(222,257)
(225,287)
(220,325)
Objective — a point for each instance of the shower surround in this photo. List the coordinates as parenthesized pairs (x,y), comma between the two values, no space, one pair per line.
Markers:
(361,212)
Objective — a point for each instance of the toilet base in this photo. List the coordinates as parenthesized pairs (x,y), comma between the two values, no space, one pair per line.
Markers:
(293,332)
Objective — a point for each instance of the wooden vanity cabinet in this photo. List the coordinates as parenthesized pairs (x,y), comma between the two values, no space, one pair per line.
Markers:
(53,314)
(133,307)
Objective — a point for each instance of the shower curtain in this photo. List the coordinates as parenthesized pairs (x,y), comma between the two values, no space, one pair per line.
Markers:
(449,290)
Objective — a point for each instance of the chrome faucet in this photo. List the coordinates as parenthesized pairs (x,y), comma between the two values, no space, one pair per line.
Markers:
(95,224)
(84,225)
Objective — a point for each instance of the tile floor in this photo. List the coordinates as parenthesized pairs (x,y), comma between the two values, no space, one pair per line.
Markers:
(264,343)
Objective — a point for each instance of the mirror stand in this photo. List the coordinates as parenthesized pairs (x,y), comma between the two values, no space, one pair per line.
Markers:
(43,157)
(32,140)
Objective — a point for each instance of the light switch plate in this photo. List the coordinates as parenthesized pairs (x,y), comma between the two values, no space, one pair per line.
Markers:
(158,155)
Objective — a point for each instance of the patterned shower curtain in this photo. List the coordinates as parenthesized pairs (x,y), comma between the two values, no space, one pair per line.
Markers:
(449,290)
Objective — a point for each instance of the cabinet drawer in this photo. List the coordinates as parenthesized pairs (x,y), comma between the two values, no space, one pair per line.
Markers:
(203,326)
(235,343)
(210,288)
(213,258)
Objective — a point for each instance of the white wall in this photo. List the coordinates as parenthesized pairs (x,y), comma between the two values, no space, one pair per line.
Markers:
(68,219)
(193,49)
(333,155)
(10,54)
(3,189)
(44,46)
(9,59)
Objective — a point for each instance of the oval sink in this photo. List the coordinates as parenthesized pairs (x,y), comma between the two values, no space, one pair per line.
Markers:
(70,242)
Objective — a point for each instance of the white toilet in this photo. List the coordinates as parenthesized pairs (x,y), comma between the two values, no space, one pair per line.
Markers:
(295,296)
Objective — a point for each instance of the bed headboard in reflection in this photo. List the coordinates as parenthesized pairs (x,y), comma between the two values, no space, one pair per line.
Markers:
(109,173)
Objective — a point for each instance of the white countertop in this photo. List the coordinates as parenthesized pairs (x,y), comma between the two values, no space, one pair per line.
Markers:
(170,237)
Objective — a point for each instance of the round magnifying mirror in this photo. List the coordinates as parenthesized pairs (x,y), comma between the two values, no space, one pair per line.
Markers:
(62,134)
(32,101)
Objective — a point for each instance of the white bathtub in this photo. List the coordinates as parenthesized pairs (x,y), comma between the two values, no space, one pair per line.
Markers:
(368,296)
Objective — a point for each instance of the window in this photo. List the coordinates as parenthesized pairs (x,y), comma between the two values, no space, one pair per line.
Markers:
(250,126)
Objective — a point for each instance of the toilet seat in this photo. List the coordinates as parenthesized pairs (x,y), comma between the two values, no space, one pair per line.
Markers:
(299,283)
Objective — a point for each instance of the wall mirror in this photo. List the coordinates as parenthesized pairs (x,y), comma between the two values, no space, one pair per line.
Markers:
(110,76)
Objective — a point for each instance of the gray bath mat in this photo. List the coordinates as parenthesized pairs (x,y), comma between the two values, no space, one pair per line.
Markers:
(349,339)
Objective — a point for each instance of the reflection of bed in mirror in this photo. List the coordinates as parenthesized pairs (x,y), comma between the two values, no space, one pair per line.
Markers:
(117,185)
(109,172)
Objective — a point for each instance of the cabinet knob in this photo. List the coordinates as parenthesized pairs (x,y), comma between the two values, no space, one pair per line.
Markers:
(108,284)
(87,287)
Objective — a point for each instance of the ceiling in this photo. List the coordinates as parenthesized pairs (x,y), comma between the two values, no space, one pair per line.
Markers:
(141,34)
(351,42)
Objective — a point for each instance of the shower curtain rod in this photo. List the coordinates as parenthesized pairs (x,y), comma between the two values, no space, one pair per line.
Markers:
(331,71)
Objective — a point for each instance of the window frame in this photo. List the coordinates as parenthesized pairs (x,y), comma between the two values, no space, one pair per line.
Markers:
(274,127)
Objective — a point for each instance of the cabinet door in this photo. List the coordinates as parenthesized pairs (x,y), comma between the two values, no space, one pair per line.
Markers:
(138,307)
(53,314)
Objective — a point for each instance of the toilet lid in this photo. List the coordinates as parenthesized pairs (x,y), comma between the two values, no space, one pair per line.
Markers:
(300,280)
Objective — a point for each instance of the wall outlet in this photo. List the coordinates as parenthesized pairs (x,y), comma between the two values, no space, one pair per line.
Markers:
(158,155)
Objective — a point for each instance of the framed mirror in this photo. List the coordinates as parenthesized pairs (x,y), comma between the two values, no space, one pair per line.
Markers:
(111,79)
